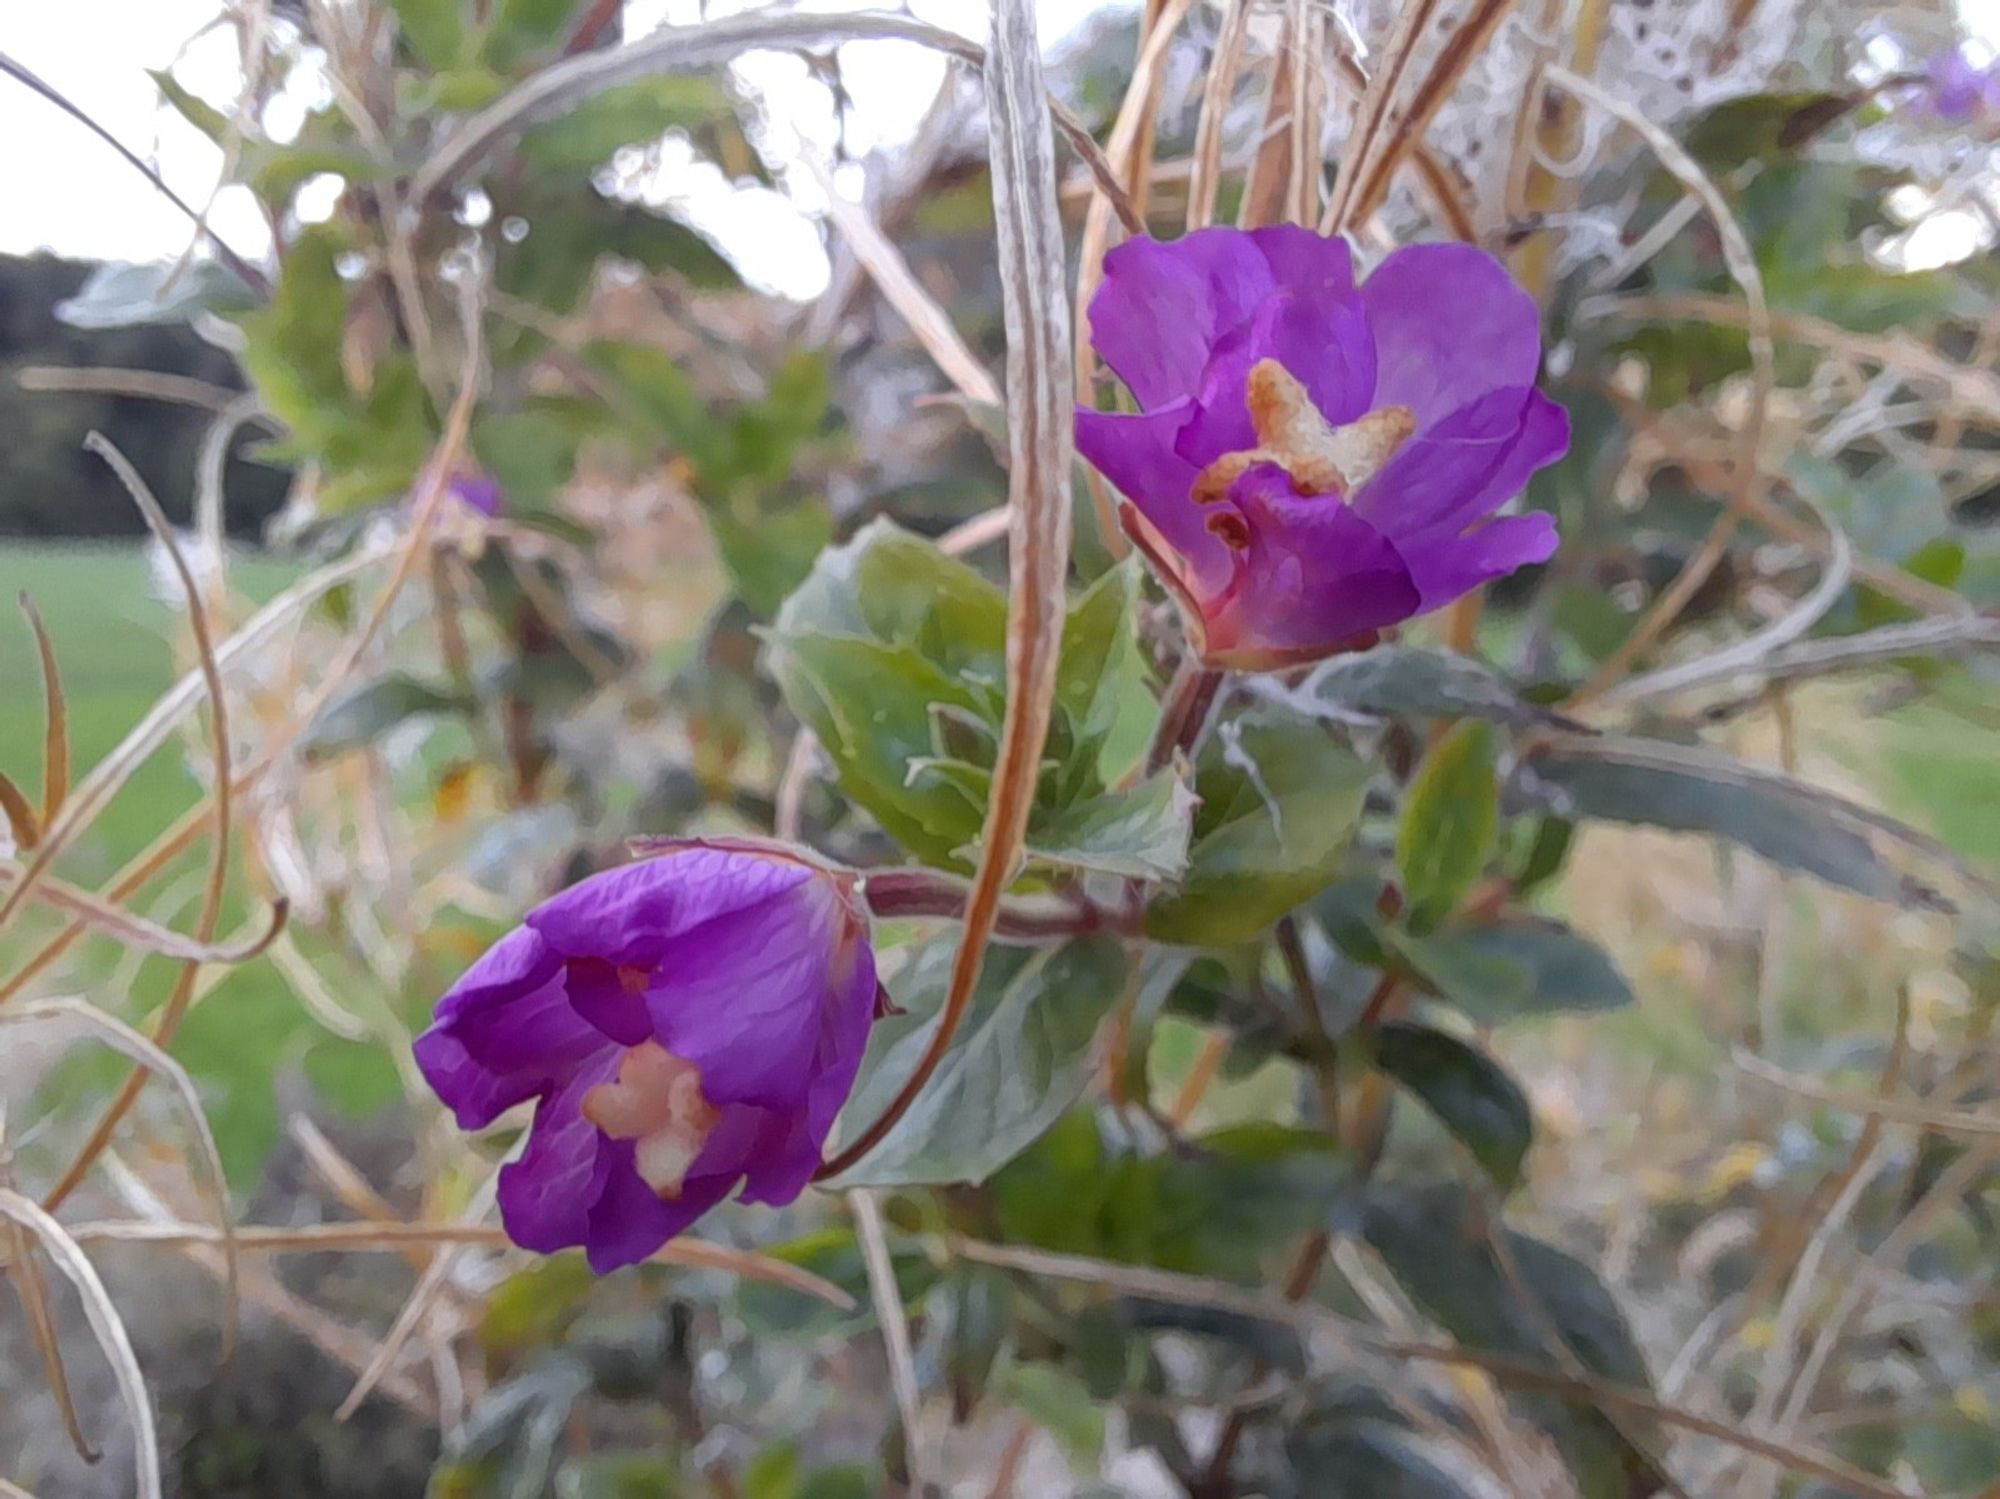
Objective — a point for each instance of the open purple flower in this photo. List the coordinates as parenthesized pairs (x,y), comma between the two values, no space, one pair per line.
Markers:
(685,1024)
(1314,460)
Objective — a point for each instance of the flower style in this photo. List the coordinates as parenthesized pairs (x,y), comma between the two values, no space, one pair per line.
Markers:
(1313,460)
(684,1024)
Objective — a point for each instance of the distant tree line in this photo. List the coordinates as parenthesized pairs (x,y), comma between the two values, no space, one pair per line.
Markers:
(49,486)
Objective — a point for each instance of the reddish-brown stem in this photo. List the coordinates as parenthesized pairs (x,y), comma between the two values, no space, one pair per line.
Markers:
(925,892)
(1184,711)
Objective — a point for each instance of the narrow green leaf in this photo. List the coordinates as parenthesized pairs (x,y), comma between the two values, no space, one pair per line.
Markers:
(1469,1092)
(197,111)
(1451,817)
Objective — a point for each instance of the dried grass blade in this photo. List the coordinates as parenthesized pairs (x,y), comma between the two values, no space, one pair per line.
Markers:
(22,824)
(1750,481)
(105,1323)
(122,1038)
(1467,41)
(426,1291)
(899,286)
(33,1291)
(1138,103)
(136,932)
(55,706)
(887,1298)
(1411,20)
(1267,185)
(182,994)
(102,783)
(1040,405)
(1205,175)
(146,385)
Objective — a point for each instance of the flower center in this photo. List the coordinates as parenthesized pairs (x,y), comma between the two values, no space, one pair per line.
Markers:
(1293,433)
(656,1100)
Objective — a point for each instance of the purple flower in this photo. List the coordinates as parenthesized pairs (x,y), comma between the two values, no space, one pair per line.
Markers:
(1956,90)
(476,491)
(1314,461)
(684,1024)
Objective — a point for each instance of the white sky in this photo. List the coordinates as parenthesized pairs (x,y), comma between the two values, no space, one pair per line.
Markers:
(63,189)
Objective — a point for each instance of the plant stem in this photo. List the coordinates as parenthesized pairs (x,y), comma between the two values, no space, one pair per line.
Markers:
(893,893)
(1184,711)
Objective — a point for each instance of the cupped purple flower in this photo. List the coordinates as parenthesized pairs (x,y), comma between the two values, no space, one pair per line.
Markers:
(1315,460)
(685,1025)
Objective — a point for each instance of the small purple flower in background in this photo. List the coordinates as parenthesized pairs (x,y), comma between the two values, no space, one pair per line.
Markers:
(1956,90)
(1313,460)
(684,1024)
(476,491)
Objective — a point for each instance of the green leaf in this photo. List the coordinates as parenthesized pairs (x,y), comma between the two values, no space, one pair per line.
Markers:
(198,112)
(433,29)
(572,226)
(883,631)
(521,28)
(1469,1092)
(1218,1207)
(1511,969)
(1141,833)
(1793,825)
(1365,1457)
(1451,819)
(870,705)
(1407,681)
(119,294)
(1279,797)
(1059,1402)
(1433,1239)
(768,557)
(531,1308)
(833,1254)
(1100,654)
(531,453)
(630,114)
(364,714)
(979,1309)
(619,1475)
(664,395)
(1020,1058)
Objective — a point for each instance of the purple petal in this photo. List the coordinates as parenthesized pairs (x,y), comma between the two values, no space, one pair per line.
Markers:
(546,1194)
(598,993)
(629,1220)
(1136,453)
(742,996)
(504,1033)
(1317,574)
(1320,335)
(1301,257)
(1450,325)
(1447,568)
(1467,465)
(628,915)
(1163,306)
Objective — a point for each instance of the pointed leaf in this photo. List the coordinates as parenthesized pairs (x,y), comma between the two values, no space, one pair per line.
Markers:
(1279,798)
(1451,818)
(1018,1061)
(1141,833)
(1515,968)
(1469,1092)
